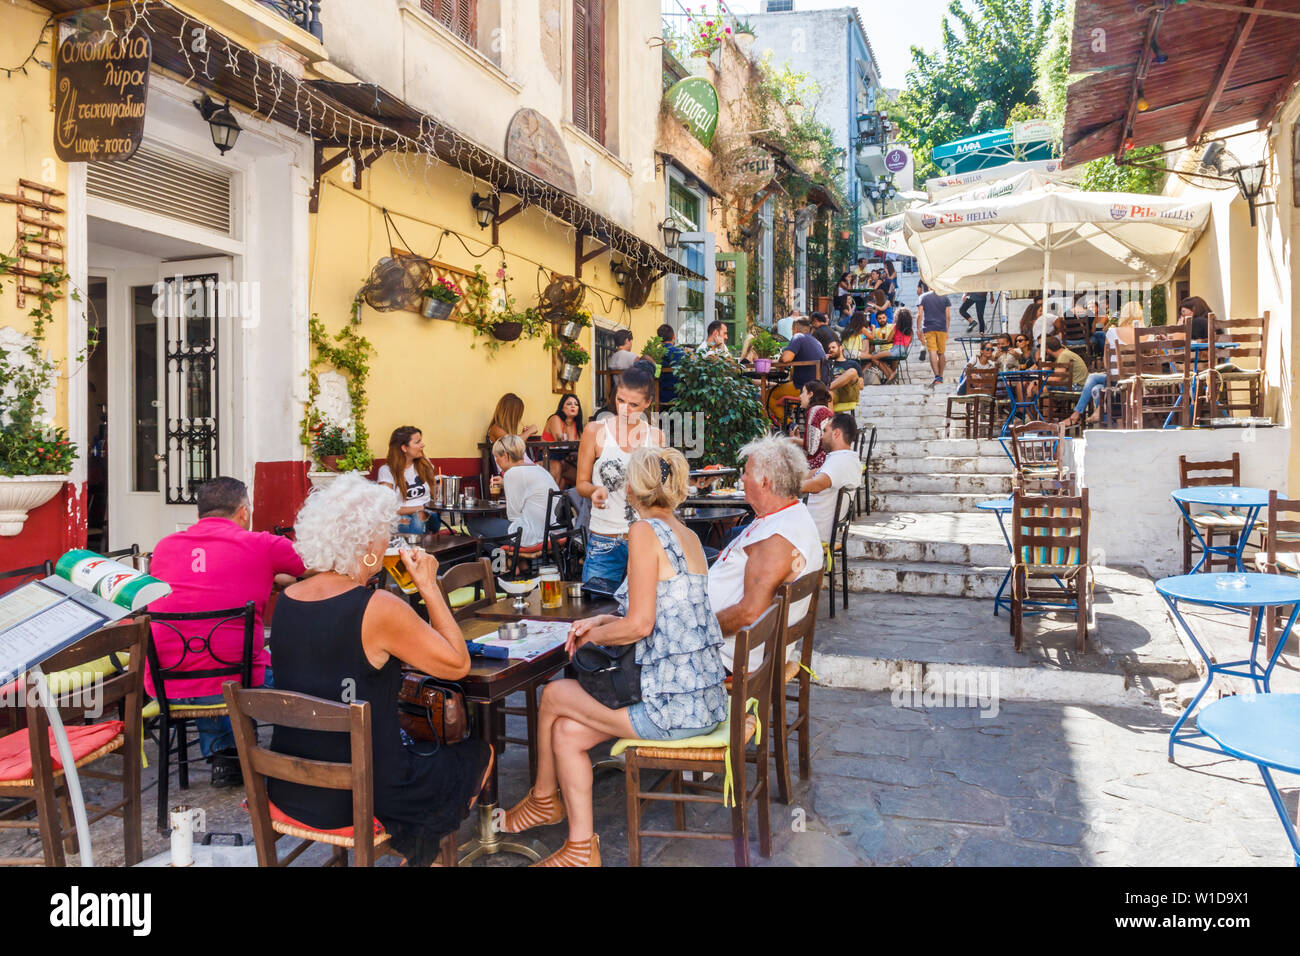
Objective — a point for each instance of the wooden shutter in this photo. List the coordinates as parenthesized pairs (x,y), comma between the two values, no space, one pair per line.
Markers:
(581,115)
(596,69)
(458,16)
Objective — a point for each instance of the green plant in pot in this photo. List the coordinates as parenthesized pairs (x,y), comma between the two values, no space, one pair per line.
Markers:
(765,347)
(572,326)
(329,445)
(440,298)
(725,400)
(348,353)
(656,351)
(491,313)
(743,34)
(572,359)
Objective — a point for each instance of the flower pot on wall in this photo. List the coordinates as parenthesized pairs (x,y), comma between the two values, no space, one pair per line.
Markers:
(19,494)
(436,308)
(699,62)
(745,41)
(762,365)
(330,462)
(507,331)
(570,373)
(570,331)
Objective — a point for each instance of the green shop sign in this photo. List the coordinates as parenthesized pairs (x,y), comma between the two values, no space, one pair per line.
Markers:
(694,101)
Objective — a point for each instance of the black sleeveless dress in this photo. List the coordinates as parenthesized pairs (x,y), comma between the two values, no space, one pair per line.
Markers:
(317,650)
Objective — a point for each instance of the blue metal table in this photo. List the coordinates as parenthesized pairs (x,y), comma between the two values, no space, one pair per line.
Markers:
(1240,593)
(1000,507)
(1264,729)
(1221,496)
(1021,406)
(970,344)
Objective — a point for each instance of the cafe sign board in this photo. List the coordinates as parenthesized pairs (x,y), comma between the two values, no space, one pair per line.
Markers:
(1032,131)
(534,145)
(101,83)
(694,101)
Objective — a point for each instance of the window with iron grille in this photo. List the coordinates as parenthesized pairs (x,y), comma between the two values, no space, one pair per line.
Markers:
(458,16)
(589,68)
(605,347)
(191,307)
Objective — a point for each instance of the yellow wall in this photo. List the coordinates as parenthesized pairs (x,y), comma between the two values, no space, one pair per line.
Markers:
(437,374)
(27,135)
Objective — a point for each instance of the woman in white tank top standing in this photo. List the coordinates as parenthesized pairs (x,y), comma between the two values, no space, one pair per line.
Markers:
(602,472)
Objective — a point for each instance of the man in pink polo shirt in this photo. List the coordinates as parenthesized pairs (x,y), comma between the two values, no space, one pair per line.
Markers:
(215,564)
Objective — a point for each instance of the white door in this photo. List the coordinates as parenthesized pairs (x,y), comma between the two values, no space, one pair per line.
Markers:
(691,303)
(170,410)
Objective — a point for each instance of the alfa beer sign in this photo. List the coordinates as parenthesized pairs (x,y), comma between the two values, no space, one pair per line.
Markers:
(101,83)
(694,101)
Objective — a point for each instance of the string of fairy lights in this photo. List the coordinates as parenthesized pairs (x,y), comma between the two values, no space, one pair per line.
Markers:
(280,96)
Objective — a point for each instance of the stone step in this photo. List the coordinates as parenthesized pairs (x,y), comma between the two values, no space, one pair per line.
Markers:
(892,397)
(937,465)
(920,385)
(959,447)
(938,482)
(911,433)
(913,415)
(971,540)
(924,578)
(892,502)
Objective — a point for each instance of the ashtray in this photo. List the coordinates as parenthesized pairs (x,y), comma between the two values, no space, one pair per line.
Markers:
(1233,582)
(513,631)
(575,591)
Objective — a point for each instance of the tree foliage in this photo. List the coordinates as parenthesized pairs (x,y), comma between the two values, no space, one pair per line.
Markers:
(985,68)
(717,390)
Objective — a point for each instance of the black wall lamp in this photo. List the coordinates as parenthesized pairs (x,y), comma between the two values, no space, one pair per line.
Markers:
(672,232)
(222,124)
(618,268)
(484,209)
(1250,180)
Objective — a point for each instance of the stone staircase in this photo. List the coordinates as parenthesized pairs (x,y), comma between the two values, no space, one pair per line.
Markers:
(925,565)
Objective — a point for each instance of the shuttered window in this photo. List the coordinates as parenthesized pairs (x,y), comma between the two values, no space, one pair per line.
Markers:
(589,68)
(458,16)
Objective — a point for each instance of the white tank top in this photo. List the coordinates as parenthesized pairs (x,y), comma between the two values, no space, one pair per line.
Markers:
(609,471)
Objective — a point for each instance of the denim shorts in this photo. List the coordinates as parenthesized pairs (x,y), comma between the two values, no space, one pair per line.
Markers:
(606,558)
(647,729)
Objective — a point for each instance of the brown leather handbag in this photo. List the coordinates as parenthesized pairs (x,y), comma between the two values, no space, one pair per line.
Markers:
(429,709)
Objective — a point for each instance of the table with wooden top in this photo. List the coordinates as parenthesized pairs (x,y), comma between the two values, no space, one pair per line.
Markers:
(487,685)
(569,609)
(713,520)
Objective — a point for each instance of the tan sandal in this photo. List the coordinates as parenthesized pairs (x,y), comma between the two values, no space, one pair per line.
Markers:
(575,853)
(534,811)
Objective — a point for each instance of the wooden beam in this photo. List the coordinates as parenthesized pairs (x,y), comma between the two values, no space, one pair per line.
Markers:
(499,217)
(1139,76)
(579,256)
(1245,23)
(322,166)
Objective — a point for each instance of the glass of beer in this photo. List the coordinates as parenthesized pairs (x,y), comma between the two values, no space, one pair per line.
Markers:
(552,588)
(397,570)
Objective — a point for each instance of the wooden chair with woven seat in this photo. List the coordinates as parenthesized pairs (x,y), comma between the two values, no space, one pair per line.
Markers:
(468,588)
(751,696)
(1121,370)
(864,445)
(304,712)
(1280,553)
(1195,474)
(799,671)
(837,549)
(37,776)
(978,400)
(1049,542)
(1037,452)
(1162,381)
(1233,377)
(194,632)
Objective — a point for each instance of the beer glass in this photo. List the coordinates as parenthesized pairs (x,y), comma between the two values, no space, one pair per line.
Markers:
(552,588)
(397,569)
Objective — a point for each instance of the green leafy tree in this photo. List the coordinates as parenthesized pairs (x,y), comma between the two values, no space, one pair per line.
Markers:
(985,67)
(718,390)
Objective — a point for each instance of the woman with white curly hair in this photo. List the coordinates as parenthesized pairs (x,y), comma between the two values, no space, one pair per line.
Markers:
(339,640)
(779,545)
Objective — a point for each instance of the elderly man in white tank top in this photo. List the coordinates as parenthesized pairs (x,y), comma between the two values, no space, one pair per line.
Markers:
(780,545)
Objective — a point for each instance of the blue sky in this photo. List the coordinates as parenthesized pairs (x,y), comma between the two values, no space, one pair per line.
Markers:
(893,28)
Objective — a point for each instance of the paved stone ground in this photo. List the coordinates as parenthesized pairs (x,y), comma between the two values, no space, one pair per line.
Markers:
(1037,784)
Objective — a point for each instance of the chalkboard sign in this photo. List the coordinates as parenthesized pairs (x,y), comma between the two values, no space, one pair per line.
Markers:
(101,84)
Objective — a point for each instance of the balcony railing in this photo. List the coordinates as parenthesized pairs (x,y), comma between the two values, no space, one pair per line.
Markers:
(303,13)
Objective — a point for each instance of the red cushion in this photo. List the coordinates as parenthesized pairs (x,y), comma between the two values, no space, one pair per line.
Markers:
(15,752)
(279,816)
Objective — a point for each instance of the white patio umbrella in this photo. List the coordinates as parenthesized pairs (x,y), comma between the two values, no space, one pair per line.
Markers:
(948,187)
(1014,241)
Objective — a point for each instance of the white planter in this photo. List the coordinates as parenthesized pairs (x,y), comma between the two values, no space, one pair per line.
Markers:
(745,41)
(321,479)
(699,65)
(19,494)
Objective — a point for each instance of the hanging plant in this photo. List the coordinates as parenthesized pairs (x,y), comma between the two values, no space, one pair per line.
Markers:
(491,312)
(440,298)
(572,359)
(572,326)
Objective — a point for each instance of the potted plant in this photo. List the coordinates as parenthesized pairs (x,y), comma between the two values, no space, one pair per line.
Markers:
(656,351)
(329,445)
(572,358)
(726,399)
(35,456)
(491,313)
(765,347)
(572,327)
(440,298)
(743,34)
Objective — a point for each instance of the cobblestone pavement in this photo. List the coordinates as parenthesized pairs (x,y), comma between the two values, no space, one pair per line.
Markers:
(1036,785)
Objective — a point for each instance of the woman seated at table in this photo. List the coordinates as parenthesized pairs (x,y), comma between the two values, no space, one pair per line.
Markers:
(564,425)
(507,417)
(886,360)
(1195,310)
(526,485)
(407,471)
(667,614)
(843,298)
(856,335)
(606,447)
(332,632)
(815,400)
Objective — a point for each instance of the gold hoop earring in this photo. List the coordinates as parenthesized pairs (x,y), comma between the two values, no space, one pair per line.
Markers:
(370,560)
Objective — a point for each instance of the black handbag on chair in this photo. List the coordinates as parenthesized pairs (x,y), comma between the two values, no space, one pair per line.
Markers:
(609,674)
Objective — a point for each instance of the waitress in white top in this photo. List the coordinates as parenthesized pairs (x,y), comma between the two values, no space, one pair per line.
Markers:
(409,472)
(603,455)
(527,486)
(779,545)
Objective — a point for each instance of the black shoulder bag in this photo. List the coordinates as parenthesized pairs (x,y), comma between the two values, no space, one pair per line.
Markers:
(609,674)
